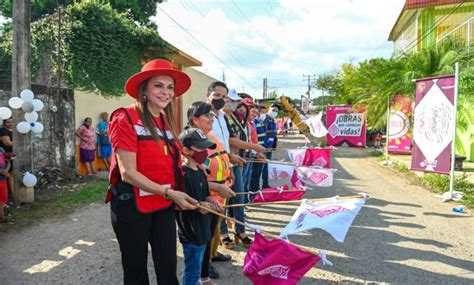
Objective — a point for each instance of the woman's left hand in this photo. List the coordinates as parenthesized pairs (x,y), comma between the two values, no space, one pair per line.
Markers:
(183,200)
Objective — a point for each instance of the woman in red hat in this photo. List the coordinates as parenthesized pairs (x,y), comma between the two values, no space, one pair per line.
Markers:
(145,171)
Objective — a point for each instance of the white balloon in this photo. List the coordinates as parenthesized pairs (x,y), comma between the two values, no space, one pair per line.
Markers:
(15,102)
(29,180)
(27,107)
(38,104)
(37,128)
(27,95)
(31,117)
(5,113)
(23,127)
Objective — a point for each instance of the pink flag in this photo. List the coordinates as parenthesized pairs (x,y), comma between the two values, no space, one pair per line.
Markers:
(318,157)
(296,182)
(277,194)
(276,262)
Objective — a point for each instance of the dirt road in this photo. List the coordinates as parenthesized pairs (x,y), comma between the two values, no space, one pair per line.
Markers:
(403,235)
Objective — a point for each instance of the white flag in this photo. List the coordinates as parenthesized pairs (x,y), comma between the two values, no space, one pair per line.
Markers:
(316,177)
(280,171)
(297,155)
(316,126)
(334,217)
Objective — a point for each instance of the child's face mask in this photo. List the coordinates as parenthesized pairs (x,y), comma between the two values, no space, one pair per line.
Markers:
(199,156)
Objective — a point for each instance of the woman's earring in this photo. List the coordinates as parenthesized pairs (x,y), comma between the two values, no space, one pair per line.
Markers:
(144,98)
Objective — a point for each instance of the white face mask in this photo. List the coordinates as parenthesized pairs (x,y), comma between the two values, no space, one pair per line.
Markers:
(273,114)
(232,106)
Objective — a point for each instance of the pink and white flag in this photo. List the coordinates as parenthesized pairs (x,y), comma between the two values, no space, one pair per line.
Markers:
(278,194)
(320,157)
(316,126)
(316,177)
(334,217)
(280,171)
(276,262)
(297,155)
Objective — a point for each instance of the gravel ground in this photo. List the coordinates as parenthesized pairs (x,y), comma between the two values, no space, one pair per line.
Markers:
(404,235)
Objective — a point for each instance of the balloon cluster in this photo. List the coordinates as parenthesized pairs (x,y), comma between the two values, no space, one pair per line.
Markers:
(30,106)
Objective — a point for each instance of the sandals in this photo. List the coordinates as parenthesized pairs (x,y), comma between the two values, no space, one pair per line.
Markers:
(227,243)
(246,241)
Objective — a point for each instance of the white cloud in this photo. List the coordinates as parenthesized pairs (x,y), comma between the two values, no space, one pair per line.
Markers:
(281,40)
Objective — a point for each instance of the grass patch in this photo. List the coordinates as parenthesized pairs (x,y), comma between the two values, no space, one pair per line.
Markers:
(439,183)
(402,167)
(61,203)
(377,153)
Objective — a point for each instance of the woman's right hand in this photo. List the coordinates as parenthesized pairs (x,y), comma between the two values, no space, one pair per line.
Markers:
(183,200)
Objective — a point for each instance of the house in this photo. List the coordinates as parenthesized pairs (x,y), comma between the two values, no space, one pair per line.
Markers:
(426,23)
(92,105)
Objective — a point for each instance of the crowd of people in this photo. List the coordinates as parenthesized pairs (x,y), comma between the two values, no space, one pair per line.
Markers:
(163,178)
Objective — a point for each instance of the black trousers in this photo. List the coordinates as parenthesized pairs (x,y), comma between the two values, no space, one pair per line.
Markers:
(207,253)
(134,231)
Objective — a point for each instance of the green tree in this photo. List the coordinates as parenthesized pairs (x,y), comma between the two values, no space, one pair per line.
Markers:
(373,82)
(136,10)
(100,47)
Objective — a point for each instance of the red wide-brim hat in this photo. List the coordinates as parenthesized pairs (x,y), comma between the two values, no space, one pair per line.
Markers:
(158,67)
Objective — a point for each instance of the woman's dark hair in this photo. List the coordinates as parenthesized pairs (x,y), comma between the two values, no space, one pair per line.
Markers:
(84,123)
(216,84)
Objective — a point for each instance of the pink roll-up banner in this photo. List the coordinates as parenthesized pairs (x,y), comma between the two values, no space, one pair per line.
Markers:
(400,132)
(433,124)
(346,126)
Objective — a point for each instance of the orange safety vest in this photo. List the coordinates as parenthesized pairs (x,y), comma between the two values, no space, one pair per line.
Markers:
(219,166)
(158,161)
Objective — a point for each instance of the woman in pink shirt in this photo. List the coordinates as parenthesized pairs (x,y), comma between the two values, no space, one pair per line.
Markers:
(86,134)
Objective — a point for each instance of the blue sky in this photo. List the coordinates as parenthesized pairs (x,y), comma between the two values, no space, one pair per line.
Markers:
(278,39)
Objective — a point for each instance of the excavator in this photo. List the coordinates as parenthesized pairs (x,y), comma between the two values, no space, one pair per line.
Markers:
(295,114)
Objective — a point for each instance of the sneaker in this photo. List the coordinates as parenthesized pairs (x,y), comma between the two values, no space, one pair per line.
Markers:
(213,274)
(221,257)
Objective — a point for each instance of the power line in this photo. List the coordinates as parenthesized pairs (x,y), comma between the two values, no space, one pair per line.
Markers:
(205,47)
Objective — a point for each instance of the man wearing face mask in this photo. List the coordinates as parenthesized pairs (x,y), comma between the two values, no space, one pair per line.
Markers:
(271,139)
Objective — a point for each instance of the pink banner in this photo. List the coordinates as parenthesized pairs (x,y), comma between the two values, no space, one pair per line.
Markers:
(318,157)
(276,262)
(346,126)
(400,133)
(433,124)
(277,194)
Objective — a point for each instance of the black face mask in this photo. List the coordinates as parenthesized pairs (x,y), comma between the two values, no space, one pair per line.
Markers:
(218,103)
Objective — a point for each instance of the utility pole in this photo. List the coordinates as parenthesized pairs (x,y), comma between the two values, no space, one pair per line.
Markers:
(265,88)
(21,80)
(311,79)
(223,75)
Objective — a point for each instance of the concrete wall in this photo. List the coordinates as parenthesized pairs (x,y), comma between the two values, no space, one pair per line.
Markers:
(54,147)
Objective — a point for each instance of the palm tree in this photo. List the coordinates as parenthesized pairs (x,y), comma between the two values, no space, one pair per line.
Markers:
(373,82)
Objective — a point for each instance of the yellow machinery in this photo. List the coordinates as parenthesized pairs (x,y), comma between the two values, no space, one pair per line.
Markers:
(293,114)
